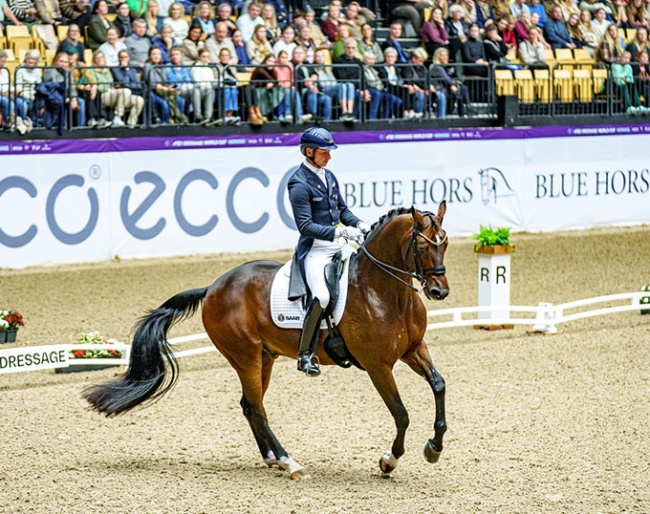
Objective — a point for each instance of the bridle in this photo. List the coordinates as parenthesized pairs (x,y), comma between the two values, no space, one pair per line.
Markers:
(419,273)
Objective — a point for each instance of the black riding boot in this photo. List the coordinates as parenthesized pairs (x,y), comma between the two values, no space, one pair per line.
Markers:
(309,339)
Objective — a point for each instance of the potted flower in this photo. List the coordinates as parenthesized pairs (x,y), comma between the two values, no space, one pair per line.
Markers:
(10,322)
(645,300)
(100,353)
(493,240)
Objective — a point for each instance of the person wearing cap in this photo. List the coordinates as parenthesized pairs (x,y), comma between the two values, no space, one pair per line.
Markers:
(325,224)
(73,40)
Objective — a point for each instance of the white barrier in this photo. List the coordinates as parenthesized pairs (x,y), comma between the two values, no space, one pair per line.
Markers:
(544,318)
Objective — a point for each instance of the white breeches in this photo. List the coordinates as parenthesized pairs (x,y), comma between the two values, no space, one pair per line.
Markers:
(319,256)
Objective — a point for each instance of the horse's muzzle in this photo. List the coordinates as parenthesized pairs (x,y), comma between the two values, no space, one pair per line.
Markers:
(436,292)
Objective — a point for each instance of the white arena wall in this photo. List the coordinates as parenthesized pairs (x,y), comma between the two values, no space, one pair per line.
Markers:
(84,201)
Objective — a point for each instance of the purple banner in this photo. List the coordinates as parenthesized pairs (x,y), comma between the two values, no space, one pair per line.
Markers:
(136,144)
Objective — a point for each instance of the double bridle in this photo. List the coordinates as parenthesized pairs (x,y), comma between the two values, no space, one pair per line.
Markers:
(419,273)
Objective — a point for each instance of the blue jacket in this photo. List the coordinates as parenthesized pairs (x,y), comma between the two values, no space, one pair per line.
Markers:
(557,34)
(317,209)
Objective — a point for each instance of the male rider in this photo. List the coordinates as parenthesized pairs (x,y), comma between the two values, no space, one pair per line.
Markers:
(325,224)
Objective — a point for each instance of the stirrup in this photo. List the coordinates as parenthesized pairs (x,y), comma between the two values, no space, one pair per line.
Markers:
(308,367)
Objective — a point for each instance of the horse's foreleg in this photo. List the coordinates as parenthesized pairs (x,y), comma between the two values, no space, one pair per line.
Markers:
(385,384)
(420,361)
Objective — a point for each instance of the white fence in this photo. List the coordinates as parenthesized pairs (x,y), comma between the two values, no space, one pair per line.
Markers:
(543,318)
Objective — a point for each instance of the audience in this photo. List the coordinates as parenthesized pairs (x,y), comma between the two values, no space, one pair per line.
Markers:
(138,43)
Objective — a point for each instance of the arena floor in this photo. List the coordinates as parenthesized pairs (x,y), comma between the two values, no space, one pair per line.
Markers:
(537,424)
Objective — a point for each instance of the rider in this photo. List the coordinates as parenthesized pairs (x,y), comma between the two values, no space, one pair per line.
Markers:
(325,224)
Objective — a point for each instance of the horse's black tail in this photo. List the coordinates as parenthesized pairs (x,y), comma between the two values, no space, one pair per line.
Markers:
(148,377)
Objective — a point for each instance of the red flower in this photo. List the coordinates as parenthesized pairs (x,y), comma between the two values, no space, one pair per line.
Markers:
(112,352)
(78,353)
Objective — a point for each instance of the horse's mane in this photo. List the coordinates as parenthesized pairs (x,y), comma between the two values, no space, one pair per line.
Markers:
(383,220)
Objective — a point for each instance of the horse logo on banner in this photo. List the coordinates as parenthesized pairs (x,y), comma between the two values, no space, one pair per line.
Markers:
(493,185)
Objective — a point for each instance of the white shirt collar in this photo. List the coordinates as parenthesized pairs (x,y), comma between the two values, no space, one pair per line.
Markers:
(319,172)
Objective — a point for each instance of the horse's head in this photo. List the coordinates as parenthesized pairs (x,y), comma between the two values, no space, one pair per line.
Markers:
(428,245)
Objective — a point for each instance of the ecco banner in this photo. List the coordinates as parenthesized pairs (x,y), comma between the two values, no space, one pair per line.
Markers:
(81,201)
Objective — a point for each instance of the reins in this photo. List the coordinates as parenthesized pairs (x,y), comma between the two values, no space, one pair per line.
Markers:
(420,273)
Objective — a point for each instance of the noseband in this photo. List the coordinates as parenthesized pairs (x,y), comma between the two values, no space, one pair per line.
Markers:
(420,273)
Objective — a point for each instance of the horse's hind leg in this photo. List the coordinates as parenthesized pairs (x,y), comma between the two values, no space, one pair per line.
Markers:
(419,360)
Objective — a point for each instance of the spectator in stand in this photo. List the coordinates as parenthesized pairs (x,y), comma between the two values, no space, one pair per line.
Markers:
(224,12)
(267,91)
(590,38)
(286,42)
(573,25)
(500,8)
(72,40)
(111,47)
(316,32)
(205,18)
(281,12)
(600,23)
(24,11)
(98,25)
(434,33)
(568,7)
(391,75)
(354,20)
(308,89)
(536,7)
(338,48)
(639,45)
(495,48)
(7,17)
(273,31)
(369,45)
(557,33)
(162,95)
(240,50)
(637,14)
(138,44)
(642,74)
(249,20)
(411,10)
(623,76)
(191,45)
(122,21)
(522,27)
(531,52)
(326,83)
(484,13)
(619,15)
(27,76)
(374,92)
(204,79)
(474,54)
(180,78)
(457,31)
(594,5)
(165,42)
(179,26)
(137,8)
(331,24)
(610,48)
(443,78)
(153,19)
(128,83)
(219,41)
(469,11)
(517,7)
(56,106)
(506,26)
(258,47)
(284,74)
(228,85)
(348,73)
(394,33)
(304,39)
(415,83)
(49,12)
(7,105)
(85,90)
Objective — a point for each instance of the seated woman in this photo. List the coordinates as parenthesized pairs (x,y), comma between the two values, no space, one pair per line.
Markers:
(204,80)
(443,77)
(590,38)
(573,25)
(270,19)
(57,73)
(87,91)
(165,42)
(369,45)
(415,83)
(227,86)
(180,27)
(495,48)
(27,76)
(286,42)
(162,95)
(304,39)
(323,79)
(639,45)
(636,14)
(268,91)
(434,33)
(317,35)
(111,47)
(122,21)
(623,76)
(393,81)
(258,47)
(532,52)
(205,18)
(343,33)
(180,79)
(127,78)
(73,40)
(191,45)
(153,18)
(7,105)
(98,25)
(610,50)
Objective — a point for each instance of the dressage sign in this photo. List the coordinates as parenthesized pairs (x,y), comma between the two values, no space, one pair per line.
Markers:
(34,358)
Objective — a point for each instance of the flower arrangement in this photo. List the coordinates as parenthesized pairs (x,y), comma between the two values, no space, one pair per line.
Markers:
(94,338)
(487,236)
(11,320)
(645,300)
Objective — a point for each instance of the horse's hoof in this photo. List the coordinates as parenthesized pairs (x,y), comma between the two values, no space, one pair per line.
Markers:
(299,474)
(430,453)
(387,463)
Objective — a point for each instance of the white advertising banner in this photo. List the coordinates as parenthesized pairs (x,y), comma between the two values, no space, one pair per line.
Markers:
(82,201)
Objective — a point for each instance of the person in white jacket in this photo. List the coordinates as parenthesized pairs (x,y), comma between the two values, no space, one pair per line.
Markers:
(204,77)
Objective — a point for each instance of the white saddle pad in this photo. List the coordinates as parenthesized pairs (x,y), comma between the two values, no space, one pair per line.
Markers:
(287,314)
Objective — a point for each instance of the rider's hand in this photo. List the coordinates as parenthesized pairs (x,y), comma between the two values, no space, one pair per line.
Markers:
(352,233)
(363,226)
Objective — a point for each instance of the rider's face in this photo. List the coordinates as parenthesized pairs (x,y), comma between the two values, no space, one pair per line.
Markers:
(321,157)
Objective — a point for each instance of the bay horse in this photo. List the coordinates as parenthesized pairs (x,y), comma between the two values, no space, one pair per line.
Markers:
(385,321)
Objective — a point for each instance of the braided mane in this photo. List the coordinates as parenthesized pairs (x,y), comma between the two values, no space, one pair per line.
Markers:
(377,226)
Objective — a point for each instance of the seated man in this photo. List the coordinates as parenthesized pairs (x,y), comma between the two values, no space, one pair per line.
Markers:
(557,33)
(349,77)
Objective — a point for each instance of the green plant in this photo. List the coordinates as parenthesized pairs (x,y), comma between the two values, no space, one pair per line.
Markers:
(11,320)
(488,236)
(94,338)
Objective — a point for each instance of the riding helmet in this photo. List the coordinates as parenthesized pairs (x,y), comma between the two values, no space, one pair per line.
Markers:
(316,137)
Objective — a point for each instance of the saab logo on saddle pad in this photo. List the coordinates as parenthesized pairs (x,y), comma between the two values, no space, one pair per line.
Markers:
(493,185)
(282,317)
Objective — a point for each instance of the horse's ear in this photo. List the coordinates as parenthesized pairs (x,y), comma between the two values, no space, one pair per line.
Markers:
(419,220)
(442,209)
